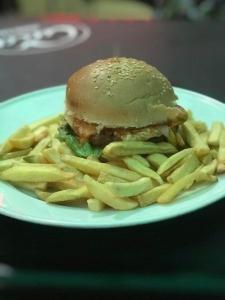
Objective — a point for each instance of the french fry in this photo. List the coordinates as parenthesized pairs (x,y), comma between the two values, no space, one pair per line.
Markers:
(64,149)
(117,163)
(141,159)
(204,136)
(214,153)
(23,142)
(194,140)
(190,115)
(68,195)
(102,193)
(221,153)
(21,132)
(35,173)
(15,154)
(207,177)
(95,204)
(210,169)
(42,195)
(66,185)
(6,164)
(128,148)
(156,159)
(40,133)
(77,173)
(214,134)
(138,167)
(190,164)
(31,186)
(220,168)
(68,168)
(40,146)
(173,160)
(199,126)
(130,189)
(53,129)
(105,177)
(92,157)
(180,185)
(35,159)
(172,138)
(45,122)
(207,158)
(52,156)
(180,140)
(152,195)
(7,146)
(94,168)
(56,144)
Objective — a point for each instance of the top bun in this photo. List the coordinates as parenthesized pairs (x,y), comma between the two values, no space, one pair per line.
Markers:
(119,92)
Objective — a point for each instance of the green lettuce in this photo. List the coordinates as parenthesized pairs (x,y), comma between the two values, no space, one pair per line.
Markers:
(65,134)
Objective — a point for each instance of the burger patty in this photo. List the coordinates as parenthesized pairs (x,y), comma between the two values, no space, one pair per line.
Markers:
(102,136)
(108,135)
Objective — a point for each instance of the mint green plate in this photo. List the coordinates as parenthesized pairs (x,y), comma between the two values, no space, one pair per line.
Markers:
(15,203)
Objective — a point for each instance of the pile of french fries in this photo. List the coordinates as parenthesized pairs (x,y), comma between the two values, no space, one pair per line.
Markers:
(133,173)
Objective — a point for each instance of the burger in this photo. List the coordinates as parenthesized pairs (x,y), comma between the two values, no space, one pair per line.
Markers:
(117,99)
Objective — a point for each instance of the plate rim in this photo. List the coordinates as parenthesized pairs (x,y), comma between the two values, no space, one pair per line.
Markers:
(55,223)
(37,220)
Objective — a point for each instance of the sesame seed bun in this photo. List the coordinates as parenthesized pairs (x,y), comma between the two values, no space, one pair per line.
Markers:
(119,92)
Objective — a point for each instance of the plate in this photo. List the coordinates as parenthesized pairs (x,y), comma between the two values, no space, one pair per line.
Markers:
(15,203)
